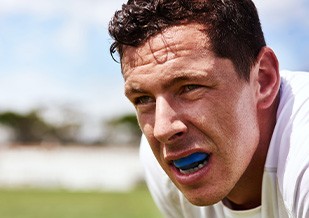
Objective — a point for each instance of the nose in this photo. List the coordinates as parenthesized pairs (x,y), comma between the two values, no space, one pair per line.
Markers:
(168,125)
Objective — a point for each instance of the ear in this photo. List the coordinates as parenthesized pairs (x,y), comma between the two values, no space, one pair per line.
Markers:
(267,78)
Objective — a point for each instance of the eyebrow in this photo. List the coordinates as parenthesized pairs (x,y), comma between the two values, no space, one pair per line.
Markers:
(189,76)
(176,80)
(133,91)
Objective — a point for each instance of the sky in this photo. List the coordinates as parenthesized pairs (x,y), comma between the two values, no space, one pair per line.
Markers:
(55,53)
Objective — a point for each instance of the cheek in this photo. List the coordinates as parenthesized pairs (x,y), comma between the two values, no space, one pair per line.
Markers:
(229,121)
(146,125)
(240,111)
(146,122)
(240,128)
(246,111)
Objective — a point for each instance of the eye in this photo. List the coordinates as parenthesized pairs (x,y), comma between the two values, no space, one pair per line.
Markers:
(142,100)
(191,87)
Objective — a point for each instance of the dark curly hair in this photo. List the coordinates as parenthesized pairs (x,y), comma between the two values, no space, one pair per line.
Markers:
(233,26)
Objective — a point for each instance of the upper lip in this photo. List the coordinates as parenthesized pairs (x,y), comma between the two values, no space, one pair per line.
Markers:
(170,157)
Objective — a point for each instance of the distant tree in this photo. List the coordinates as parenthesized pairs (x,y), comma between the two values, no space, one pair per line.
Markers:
(31,128)
(123,129)
(28,128)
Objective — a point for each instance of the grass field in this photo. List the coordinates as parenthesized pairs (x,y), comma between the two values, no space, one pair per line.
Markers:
(29,203)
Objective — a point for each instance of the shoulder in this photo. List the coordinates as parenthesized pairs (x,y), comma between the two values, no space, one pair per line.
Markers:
(291,141)
(294,81)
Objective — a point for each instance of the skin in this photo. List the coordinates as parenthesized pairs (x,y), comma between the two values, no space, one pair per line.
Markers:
(188,100)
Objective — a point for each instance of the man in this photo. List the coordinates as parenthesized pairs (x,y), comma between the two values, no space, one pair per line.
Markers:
(226,135)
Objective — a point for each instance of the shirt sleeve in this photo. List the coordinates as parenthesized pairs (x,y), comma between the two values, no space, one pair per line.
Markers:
(298,171)
(295,168)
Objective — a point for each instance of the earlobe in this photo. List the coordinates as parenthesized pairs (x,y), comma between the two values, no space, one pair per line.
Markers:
(268,78)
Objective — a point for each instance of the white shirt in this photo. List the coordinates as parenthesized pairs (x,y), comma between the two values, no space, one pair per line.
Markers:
(285,188)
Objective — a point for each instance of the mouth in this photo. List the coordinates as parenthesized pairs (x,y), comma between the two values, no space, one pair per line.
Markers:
(191,163)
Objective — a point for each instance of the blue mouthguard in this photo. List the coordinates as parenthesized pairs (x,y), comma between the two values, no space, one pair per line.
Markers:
(191,159)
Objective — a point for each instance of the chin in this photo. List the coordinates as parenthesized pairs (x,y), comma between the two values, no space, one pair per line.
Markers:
(201,200)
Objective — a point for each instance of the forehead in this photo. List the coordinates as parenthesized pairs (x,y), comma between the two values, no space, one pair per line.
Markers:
(177,41)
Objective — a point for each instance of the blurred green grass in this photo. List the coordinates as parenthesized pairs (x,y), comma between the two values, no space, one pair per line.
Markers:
(36,203)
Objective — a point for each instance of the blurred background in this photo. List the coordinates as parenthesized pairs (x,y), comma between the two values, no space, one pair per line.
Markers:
(66,128)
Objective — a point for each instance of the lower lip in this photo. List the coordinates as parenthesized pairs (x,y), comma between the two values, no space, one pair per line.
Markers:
(192,178)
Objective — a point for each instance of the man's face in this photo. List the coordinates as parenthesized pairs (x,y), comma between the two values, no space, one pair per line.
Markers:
(199,117)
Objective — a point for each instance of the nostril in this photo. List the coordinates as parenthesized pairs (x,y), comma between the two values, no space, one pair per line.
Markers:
(179,134)
(176,135)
